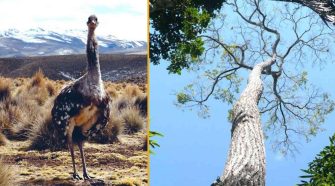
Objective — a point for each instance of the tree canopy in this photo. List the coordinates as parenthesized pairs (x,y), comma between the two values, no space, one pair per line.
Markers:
(246,33)
(321,171)
(176,26)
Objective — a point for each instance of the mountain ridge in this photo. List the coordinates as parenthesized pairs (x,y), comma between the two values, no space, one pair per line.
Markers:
(42,42)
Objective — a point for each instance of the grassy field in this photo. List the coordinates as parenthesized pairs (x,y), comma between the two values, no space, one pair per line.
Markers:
(30,154)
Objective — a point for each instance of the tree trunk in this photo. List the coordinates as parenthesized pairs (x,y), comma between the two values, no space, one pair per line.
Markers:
(245,165)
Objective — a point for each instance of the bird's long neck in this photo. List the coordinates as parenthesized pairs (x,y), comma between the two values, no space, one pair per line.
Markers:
(93,66)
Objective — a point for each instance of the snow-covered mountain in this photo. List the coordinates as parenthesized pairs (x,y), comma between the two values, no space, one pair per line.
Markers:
(41,42)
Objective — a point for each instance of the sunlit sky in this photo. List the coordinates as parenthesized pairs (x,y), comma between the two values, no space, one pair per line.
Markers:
(193,150)
(126,19)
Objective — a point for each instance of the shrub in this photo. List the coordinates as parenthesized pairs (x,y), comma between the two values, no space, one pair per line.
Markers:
(133,122)
(122,103)
(44,135)
(141,103)
(20,116)
(4,118)
(321,171)
(110,133)
(4,90)
(132,91)
(51,89)
(38,79)
(111,91)
(3,140)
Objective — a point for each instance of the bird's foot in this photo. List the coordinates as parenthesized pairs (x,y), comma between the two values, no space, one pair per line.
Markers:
(87,177)
(76,176)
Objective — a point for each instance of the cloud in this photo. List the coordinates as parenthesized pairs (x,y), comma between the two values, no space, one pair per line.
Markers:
(126,19)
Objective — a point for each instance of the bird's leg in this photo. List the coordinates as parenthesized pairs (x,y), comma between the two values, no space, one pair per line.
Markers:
(85,175)
(70,144)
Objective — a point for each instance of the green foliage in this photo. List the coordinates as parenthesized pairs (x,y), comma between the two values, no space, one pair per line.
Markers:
(177,26)
(183,98)
(153,143)
(230,115)
(321,171)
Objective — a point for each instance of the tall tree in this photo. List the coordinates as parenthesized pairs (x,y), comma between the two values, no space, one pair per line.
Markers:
(268,43)
(260,38)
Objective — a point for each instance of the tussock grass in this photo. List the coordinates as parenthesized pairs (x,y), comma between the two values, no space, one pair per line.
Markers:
(141,103)
(38,79)
(25,111)
(132,91)
(133,121)
(112,91)
(52,90)
(3,140)
(110,133)
(18,116)
(122,103)
(6,174)
(26,105)
(4,90)
(44,134)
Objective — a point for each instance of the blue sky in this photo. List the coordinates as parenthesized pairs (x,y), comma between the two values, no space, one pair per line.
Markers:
(193,150)
(126,19)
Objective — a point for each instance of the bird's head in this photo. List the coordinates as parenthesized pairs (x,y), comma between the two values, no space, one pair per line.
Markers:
(92,22)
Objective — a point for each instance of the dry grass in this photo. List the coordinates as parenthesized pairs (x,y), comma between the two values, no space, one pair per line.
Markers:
(44,135)
(3,139)
(112,91)
(26,104)
(111,132)
(25,110)
(141,103)
(133,121)
(113,163)
(4,90)
(38,79)
(132,91)
(25,116)
(6,174)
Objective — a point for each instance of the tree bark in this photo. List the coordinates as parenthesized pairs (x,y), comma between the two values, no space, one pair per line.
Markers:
(245,165)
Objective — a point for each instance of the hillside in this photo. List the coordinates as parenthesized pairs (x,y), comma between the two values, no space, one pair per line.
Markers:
(114,67)
(42,42)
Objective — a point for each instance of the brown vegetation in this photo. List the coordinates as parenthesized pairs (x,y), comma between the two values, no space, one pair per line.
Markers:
(3,139)
(25,115)
(133,121)
(4,90)
(6,174)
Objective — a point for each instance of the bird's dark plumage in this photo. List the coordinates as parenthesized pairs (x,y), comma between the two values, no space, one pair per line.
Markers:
(69,104)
